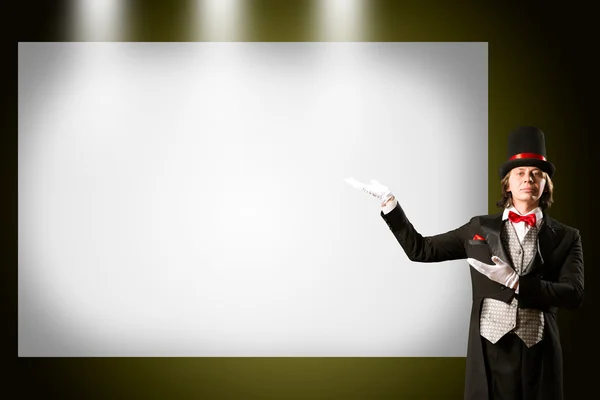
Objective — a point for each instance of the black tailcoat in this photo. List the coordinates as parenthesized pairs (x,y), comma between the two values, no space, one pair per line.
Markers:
(555,281)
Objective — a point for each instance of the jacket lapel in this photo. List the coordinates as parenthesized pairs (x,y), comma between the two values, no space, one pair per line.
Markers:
(547,238)
(492,226)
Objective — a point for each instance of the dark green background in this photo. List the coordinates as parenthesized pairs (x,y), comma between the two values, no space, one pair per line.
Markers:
(540,74)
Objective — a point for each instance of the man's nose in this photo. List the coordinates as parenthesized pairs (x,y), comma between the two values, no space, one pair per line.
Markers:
(528,177)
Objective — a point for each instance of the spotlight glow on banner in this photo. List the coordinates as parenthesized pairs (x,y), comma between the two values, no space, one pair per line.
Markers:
(188,199)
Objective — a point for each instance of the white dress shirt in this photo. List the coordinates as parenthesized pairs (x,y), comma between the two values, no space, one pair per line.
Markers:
(389,206)
(521,227)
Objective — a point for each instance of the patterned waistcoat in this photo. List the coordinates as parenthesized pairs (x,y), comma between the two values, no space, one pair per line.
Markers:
(497,317)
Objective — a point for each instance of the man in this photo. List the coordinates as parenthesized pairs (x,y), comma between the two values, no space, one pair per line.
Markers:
(525,265)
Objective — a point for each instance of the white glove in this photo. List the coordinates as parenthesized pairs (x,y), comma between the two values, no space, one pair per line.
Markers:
(501,272)
(375,189)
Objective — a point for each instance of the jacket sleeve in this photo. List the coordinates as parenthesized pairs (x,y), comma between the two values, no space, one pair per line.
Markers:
(442,247)
(566,292)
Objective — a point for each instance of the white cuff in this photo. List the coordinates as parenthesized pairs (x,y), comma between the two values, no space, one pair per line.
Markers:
(389,206)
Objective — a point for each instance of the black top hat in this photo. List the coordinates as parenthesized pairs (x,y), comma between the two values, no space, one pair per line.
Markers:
(527,147)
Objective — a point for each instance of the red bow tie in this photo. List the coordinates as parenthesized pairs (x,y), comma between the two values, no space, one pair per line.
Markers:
(529,219)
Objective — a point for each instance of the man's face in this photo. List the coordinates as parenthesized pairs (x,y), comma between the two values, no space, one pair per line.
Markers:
(526,184)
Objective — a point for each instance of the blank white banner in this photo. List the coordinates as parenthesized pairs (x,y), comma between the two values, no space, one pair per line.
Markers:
(188,199)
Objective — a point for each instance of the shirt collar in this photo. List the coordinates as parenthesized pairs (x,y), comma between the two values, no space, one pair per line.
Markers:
(538,214)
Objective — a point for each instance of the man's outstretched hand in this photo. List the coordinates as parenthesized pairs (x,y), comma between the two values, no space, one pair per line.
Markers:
(375,189)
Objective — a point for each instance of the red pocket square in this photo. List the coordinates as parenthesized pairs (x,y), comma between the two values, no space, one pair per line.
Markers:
(477,237)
